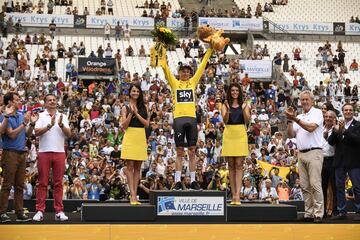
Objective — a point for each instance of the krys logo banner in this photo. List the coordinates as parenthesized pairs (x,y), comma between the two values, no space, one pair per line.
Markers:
(96,66)
(79,21)
(339,28)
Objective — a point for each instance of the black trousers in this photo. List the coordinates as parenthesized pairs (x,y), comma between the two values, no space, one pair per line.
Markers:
(328,177)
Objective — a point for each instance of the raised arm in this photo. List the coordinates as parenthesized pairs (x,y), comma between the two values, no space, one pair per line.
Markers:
(199,72)
(167,72)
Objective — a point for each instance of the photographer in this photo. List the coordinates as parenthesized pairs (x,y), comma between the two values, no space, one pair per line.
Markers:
(93,188)
(215,183)
(145,186)
(296,193)
(117,189)
(78,191)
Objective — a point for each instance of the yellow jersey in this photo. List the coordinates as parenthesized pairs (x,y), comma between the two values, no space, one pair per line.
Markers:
(184,91)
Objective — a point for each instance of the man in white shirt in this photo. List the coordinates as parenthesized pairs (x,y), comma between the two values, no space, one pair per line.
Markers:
(52,128)
(107,31)
(308,130)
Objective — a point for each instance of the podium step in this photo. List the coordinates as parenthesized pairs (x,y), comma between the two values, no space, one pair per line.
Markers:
(248,212)
(117,212)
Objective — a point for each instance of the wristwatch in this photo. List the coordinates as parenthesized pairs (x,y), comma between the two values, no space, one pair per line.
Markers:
(32,124)
(49,126)
(24,123)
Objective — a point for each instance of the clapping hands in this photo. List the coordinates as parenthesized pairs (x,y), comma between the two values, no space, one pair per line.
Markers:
(290,113)
(10,110)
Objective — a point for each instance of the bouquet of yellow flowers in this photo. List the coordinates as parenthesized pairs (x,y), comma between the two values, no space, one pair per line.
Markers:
(164,37)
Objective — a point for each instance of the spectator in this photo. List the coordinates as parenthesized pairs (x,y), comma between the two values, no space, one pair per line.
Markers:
(69,68)
(283,191)
(107,31)
(268,193)
(296,193)
(127,32)
(52,28)
(110,7)
(129,51)
(354,66)
(86,12)
(296,52)
(118,30)
(248,191)
(13,131)
(108,51)
(100,52)
(345,159)
(103,7)
(50,7)
(311,121)
(51,155)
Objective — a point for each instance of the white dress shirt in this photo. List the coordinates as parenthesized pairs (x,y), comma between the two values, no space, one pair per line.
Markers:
(328,150)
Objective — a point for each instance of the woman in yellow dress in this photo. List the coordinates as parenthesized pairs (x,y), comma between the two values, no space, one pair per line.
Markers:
(236,114)
(135,118)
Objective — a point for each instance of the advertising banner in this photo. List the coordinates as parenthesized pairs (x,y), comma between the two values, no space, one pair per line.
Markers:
(96,66)
(190,206)
(175,23)
(352,28)
(257,68)
(79,21)
(304,27)
(233,24)
(339,28)
(134,22)
(42,20)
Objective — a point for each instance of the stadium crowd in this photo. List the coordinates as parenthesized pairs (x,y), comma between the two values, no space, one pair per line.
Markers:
(94,169)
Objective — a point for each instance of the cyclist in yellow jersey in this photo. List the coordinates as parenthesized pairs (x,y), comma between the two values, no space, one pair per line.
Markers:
(185,125)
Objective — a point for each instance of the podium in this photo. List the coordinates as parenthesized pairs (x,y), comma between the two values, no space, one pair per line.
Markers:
(187,207)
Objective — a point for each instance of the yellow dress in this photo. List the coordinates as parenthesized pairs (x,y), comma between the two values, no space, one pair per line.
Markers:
(235,140)
(134,145)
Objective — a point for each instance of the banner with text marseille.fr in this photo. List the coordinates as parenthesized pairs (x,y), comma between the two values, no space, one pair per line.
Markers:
(42,20)
(257,68)
(134,22)
(96,66)
(352,29)
(233,24)
(190,206)
(304,27)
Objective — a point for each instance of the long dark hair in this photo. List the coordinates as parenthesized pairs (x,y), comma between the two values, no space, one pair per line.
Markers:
(140,101)
(230,99)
